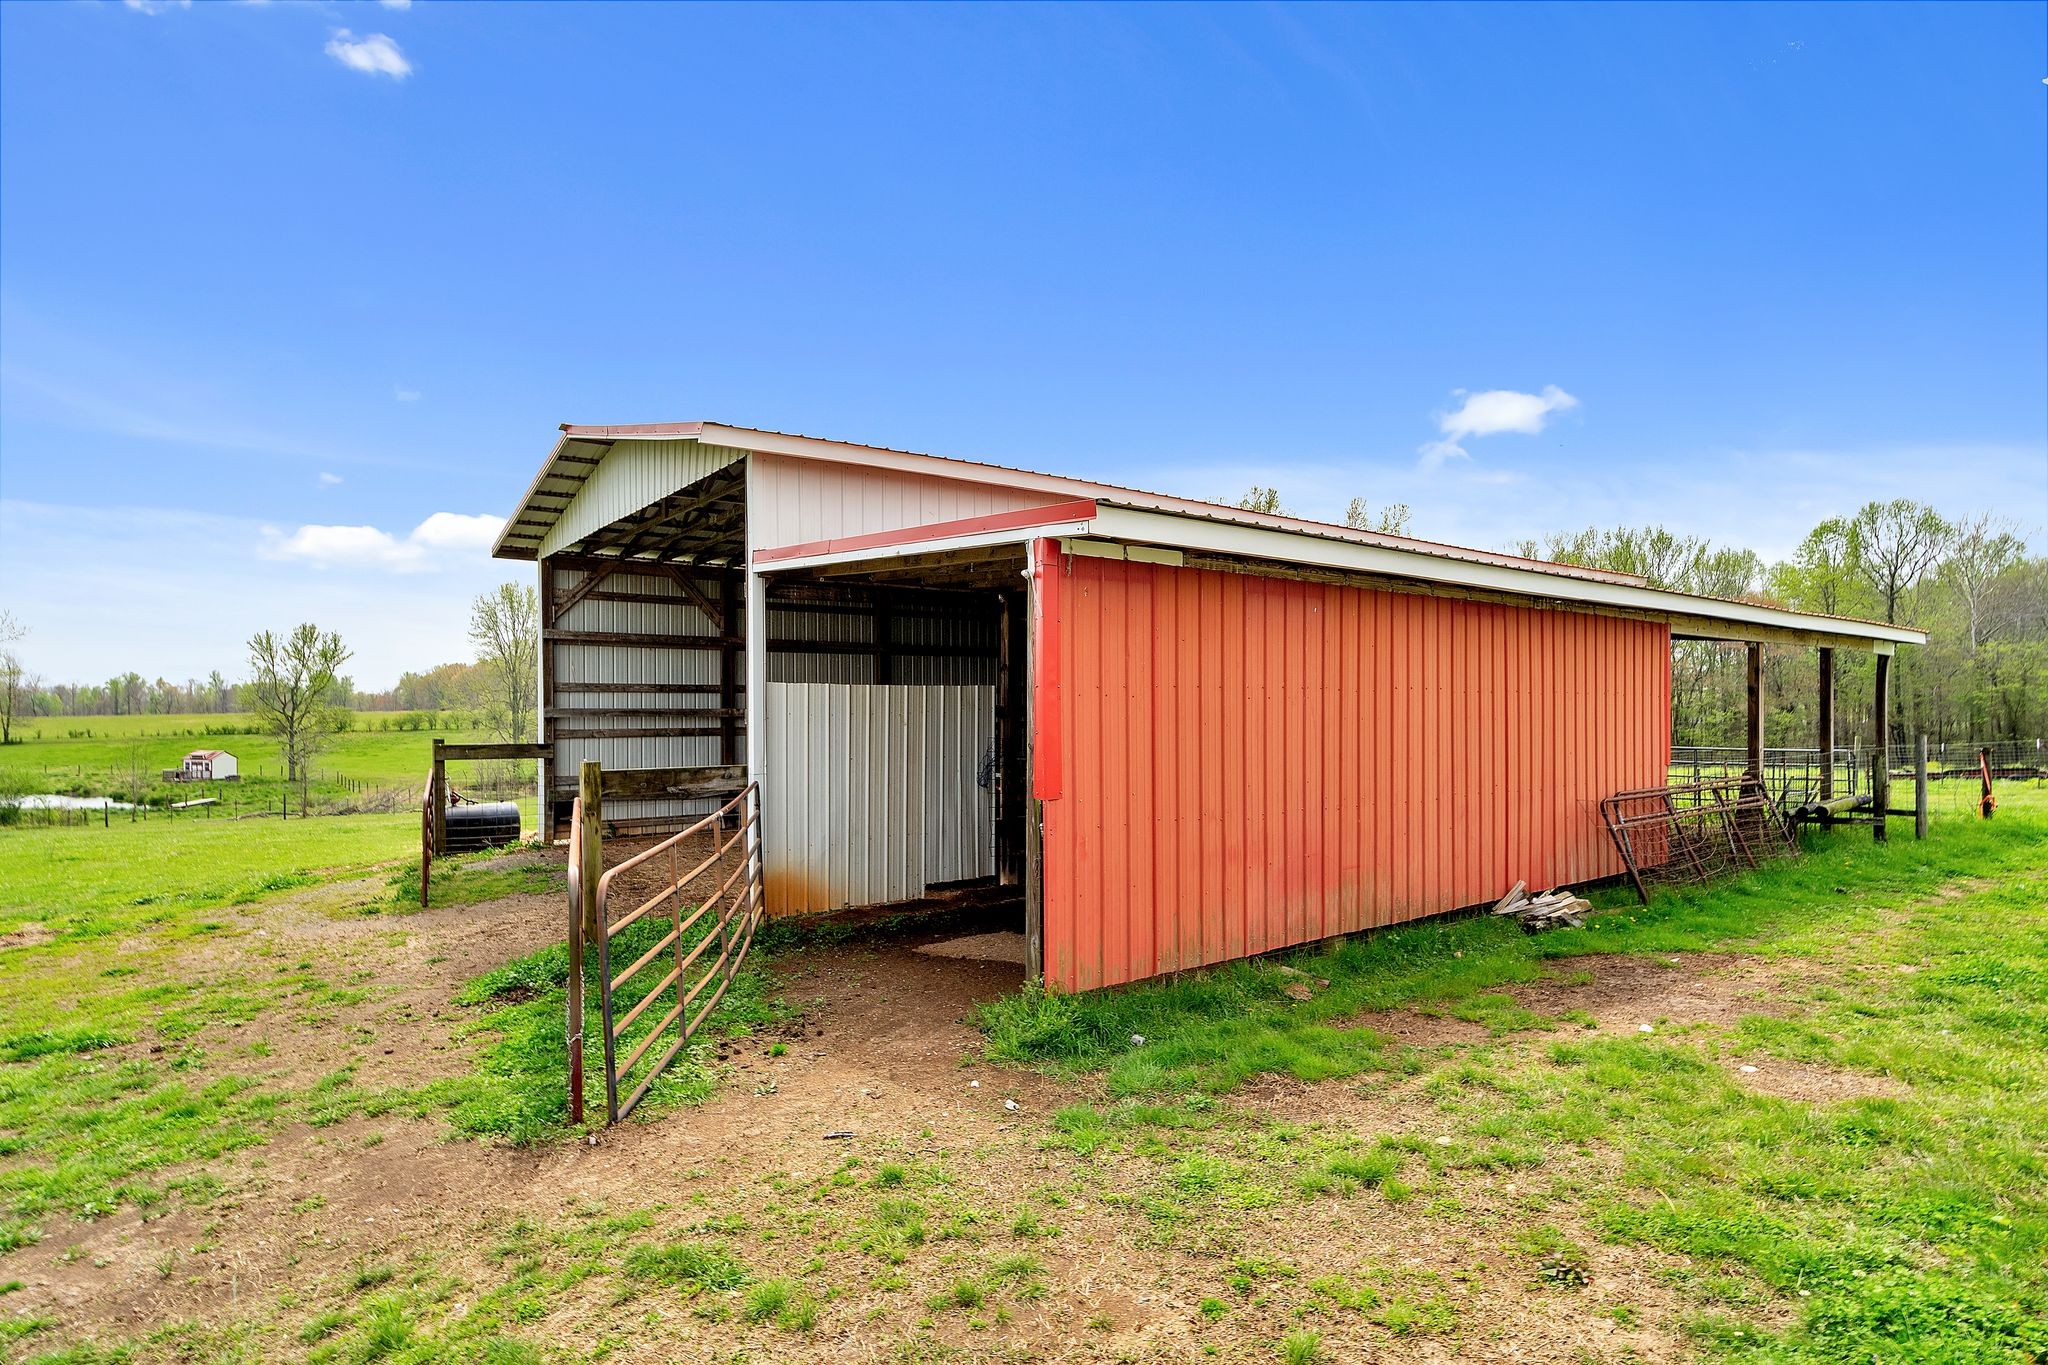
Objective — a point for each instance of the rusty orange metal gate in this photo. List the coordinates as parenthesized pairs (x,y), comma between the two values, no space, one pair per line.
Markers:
(723,918)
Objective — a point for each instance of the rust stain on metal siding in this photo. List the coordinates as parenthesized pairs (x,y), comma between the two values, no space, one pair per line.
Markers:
(1231,764)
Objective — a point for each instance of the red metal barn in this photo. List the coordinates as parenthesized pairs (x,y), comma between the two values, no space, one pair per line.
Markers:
(1173,733)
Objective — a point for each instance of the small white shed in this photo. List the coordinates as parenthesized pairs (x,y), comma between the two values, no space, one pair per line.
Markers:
(208,765)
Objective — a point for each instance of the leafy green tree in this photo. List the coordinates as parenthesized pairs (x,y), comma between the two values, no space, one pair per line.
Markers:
(1390,520)
(504,625)
(294,689)
(1260,499)
(1897,544)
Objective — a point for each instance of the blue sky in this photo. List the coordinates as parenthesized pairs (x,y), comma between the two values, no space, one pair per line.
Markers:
(265,267)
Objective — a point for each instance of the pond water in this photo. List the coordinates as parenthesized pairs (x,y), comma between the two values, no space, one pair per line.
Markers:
(51,801)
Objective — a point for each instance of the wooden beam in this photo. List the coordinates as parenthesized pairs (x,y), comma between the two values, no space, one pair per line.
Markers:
(628,687)
(731,662)
(640,732)
(900,564)
(1920,788)
(543,817)
(613,712)
(697,598)
(630,637)
(439,797)
(650,783)
(706,502)
(885,661)
(444,751)
(1825,740)
(591,580)
(1753,729)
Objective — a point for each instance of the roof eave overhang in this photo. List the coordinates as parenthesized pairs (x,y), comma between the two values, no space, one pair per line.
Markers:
(1691,616)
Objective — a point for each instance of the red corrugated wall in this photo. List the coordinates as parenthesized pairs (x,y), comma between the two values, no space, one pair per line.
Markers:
(1231,764)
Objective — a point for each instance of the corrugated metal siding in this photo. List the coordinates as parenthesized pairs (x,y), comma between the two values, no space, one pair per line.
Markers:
(873,793)
(793,501)
(1238,763)
(633,475)
(823,627)
(579,662)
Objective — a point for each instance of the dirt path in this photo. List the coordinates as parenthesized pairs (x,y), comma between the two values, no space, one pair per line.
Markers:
(882,1051)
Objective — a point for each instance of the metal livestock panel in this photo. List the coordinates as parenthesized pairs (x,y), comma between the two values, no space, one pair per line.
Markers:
(794,501)
(1231,764)
(633,475)
(874,793)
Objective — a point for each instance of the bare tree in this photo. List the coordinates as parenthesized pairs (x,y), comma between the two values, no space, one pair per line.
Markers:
(1392,520)
(504,625)
(292,689)
(16,687)
(1984,548)
(1261,499)
(1896,543)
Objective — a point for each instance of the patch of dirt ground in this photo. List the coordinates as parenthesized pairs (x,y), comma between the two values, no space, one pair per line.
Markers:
(883,1050)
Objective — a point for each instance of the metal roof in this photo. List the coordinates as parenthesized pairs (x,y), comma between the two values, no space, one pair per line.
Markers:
(580,447)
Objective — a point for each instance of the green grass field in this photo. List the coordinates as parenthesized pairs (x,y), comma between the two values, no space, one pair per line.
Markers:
(1899,1218)
(94,756)
(1905,1225)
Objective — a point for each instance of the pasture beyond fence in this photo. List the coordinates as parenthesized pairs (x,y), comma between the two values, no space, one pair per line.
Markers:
(1794,777)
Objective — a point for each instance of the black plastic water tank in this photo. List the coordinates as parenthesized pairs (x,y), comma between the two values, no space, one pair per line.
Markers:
(484,824)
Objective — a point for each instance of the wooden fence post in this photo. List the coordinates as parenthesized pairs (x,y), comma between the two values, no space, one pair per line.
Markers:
(592,791)
(440,800)
(582,914)
(1920,789)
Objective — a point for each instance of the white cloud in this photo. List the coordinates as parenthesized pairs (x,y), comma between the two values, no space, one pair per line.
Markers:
(441,537)
(1489,413)
(328,480)
(373,55)
(95,616)
(406,395)
(395,4)
(156,6)
(455,531)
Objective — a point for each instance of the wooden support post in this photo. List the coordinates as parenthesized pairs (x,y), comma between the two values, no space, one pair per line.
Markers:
(1753,727)
(730,661)
(440,800)
(1920,789)
(550,618)
(1881,769)
(885,658)
(1826,737)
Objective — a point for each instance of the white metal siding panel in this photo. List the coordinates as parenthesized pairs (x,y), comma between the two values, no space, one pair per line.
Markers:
(874,793)
(633,475)
(793,502)
(577,662)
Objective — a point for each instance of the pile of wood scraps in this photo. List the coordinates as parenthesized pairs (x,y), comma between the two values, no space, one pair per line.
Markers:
(1554,909)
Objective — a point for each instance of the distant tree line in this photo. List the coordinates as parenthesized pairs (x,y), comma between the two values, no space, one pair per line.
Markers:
(500,687)
(1969,583)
